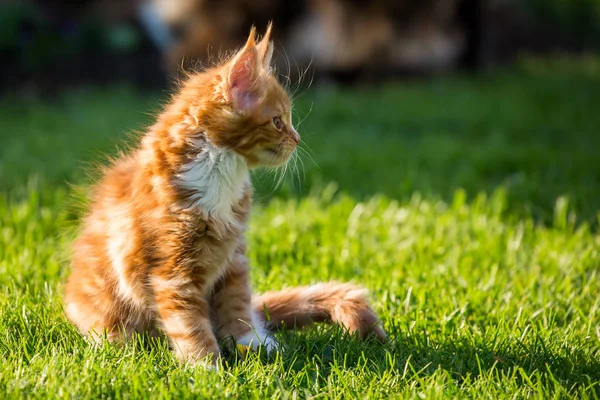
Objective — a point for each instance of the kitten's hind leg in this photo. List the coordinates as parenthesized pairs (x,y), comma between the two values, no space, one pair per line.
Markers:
(94,325)
(232,307)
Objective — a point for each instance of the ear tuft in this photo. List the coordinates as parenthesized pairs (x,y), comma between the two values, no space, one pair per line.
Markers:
(251,37)
(265,48)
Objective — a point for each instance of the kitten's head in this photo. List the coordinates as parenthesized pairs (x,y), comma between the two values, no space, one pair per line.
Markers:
(256,120)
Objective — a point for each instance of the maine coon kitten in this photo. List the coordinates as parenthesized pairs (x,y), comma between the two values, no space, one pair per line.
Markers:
(163,244)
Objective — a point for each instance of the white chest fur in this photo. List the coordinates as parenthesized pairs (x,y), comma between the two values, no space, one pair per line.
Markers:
(217,179)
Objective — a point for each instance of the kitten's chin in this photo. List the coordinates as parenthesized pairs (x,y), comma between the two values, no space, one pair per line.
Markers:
(271,158)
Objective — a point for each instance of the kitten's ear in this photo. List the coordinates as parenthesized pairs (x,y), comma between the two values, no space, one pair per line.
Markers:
(265,48)
(244,75)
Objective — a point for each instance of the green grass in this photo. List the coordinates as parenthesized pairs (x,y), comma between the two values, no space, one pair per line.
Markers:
(468,207)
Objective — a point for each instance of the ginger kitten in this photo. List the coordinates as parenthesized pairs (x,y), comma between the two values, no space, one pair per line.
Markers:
(163,244)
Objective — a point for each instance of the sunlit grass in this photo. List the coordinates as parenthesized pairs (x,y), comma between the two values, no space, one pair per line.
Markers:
(469,209)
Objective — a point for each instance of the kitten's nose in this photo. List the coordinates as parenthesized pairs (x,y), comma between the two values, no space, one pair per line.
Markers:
(295,136)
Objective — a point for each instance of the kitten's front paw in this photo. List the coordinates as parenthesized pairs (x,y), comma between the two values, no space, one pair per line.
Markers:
(209,360)
(256,338)
(207,363)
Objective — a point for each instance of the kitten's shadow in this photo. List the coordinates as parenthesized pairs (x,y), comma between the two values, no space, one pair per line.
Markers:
(321,345)
(326,349)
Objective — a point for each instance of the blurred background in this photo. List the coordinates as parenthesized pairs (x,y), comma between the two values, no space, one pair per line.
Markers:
(47,44)
(449,161)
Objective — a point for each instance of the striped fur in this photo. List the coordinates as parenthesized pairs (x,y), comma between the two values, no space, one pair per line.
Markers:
(162,247)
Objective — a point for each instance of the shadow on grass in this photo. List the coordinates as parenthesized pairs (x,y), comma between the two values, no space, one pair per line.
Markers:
(330,349)
(467,362)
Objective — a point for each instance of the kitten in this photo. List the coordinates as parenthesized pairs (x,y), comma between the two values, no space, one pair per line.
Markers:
(163,244)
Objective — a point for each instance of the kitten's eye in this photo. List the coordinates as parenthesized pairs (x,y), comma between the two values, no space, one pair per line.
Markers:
(278,123)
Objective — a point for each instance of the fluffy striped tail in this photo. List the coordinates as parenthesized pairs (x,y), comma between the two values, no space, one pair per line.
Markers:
(332,302)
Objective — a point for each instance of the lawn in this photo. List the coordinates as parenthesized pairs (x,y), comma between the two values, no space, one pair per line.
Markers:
(469,207)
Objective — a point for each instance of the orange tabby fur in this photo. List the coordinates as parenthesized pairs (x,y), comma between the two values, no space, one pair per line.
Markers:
(163,244)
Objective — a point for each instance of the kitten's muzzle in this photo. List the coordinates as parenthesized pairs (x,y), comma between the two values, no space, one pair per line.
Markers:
(295,136)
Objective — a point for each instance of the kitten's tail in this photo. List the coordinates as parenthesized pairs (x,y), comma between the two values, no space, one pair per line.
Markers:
(332,302)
